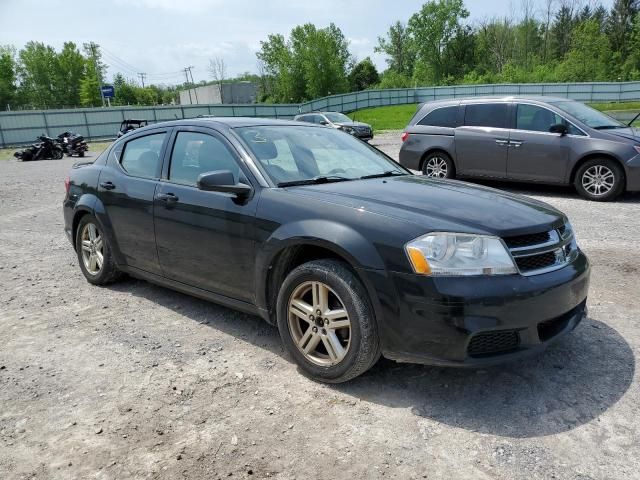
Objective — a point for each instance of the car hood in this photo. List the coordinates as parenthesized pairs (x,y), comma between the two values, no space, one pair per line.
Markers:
(352,124)
(441,204)
(630,133)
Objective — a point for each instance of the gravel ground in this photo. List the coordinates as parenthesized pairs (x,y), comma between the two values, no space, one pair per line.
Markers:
(136,381)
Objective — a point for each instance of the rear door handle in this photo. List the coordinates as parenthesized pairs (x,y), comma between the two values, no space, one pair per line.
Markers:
(502,142)
(516,143)
(167,197)
(107,185)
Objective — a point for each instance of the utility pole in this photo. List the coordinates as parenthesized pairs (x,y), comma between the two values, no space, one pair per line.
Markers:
(195,91)
(142,75)
(186,75)
(98,73)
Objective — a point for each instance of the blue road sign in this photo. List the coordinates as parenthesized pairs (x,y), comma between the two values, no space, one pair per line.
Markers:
(108,91)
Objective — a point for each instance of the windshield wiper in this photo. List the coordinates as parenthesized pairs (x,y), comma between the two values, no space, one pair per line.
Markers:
(315,180)
(388,173)
(609,127)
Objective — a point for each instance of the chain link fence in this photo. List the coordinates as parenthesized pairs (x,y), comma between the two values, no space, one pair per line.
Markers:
(17,128)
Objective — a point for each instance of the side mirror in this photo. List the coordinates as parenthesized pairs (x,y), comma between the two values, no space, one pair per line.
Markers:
(559,128)
(222,181)
(324,122)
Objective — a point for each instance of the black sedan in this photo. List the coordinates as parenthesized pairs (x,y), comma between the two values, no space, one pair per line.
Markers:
(348,253)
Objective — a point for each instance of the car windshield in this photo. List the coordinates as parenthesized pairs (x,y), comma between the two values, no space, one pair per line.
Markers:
(296,154)
(336,117)
(589,116)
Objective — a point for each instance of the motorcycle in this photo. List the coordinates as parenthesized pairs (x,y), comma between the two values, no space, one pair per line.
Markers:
(46,148)
(72,144)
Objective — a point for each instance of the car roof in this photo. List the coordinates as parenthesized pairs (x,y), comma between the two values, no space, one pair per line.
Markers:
(495,98)
(231,122)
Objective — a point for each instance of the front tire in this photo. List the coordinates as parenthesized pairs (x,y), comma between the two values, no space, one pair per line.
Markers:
(326,321)
(94,253)
(600,179)
(438,165)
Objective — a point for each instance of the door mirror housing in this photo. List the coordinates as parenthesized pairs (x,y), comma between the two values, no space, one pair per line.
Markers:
(559,128)
(223,181)
(324,122)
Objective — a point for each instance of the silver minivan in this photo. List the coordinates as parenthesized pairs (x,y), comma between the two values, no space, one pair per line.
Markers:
(529,139)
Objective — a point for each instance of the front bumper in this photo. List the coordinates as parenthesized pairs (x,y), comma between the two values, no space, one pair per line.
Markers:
(632,172)
(476,321)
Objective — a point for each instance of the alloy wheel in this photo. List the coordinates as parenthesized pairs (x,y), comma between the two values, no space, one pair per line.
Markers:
(92,249)
(319,323)
(436,167)
(598,180)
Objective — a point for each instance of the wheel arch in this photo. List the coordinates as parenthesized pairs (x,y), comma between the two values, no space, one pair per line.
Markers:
(438,150)
(281,255)
(591,156)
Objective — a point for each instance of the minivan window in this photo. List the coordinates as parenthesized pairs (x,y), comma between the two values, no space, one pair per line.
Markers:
(492,115)
(141,156)
(441,117)
(539,119)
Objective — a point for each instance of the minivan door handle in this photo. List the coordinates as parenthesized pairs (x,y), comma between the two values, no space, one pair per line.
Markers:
(516,143)
(502,143)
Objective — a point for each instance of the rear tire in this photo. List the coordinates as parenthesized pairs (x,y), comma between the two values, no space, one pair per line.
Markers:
(58,154)
(94,253)
(341,342)
(438,165)
(599,179)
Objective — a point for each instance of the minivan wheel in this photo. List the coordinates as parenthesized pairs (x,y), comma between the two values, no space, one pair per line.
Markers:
(599,179)
(438,165)
(326,322)
(94,253)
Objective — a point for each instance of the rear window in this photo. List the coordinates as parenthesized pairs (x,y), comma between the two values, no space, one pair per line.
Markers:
(441,117)
(493,115)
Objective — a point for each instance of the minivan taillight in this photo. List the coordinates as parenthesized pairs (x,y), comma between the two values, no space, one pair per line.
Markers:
(67,184)
(404,136)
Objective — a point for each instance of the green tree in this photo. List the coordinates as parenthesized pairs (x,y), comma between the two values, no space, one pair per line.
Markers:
(363,75)
(432,28)
(399,48)
(620,25)
(37,62)
(94,73)
(311,64)
(68,74)
(589,55)
(7,76)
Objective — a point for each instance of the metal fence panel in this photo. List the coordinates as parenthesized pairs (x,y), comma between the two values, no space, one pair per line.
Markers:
(95,123)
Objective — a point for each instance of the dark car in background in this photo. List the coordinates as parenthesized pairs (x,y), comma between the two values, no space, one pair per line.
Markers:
(348,253)
(338,120)
(533,139)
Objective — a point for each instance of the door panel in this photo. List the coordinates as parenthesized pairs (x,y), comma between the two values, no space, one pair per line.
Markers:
(205,239)
(128,199)
(536,154)
(482,143)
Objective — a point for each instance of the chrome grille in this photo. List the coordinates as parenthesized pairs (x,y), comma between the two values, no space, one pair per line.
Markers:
(543,252)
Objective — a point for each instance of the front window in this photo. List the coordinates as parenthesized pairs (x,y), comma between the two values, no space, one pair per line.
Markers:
(297,153)
(589,116)
(538,119)
(336,117)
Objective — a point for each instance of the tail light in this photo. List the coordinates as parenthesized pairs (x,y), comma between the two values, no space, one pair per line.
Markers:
(67,185)
(404,136)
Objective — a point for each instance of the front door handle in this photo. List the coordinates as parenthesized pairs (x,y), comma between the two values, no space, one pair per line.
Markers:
(107,185)
(167,198)
(516,143)
(502,143)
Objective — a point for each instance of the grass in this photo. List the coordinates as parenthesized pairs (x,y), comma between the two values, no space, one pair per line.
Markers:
(94,150)
(397,117)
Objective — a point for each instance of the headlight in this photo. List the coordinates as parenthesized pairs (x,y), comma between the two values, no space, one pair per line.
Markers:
(346,129)
(637,147)
(448,254)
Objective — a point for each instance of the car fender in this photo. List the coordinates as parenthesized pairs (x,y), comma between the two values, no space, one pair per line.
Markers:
(336,237)
(91,204)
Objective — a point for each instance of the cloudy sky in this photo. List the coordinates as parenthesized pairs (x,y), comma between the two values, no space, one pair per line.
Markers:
(161,37)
